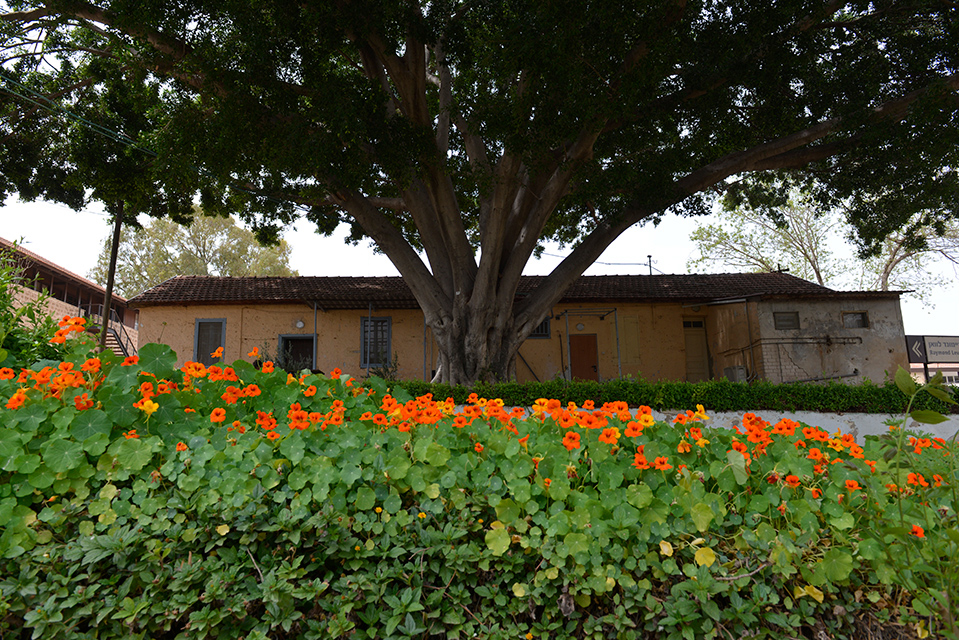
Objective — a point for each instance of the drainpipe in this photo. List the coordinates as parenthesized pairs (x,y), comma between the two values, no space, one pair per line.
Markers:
(566,317)
(315,334)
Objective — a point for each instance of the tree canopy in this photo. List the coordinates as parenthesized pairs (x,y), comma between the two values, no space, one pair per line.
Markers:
(473,131)
(210,245)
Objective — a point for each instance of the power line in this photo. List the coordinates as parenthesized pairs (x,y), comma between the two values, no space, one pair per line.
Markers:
(648,264)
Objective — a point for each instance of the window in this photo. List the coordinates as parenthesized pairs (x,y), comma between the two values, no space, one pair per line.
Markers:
(208,335)
(542,330)
(295,353)
(693,324)
(375,342)
(786,320)
(854,319)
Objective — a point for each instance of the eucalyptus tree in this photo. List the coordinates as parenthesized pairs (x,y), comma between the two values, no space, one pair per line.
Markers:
(471,132)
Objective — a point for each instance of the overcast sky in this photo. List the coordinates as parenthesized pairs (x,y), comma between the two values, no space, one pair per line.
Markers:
(73,240)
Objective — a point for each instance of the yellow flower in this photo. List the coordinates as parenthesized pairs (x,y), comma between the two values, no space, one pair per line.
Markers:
(701,413)
(421,515)
(356,548)
(702,442)
(529,636)
(378,509)
(149,407)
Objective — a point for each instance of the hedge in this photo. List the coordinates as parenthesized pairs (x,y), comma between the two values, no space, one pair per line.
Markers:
(719,395)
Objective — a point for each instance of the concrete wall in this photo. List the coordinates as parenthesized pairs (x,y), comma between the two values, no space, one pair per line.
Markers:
(823,348)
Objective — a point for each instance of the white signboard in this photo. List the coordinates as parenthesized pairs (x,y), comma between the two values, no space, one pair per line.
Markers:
(942,348)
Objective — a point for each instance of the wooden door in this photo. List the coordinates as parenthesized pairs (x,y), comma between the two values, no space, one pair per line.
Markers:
(583,357)
(695,341)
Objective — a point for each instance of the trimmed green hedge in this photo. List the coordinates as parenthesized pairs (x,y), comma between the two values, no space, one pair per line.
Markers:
(718,395)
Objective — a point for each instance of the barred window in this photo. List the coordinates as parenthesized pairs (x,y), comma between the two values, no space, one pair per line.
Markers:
(375,342)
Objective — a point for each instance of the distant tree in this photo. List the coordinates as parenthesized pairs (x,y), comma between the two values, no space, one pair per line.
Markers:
(801,239)
(211,245)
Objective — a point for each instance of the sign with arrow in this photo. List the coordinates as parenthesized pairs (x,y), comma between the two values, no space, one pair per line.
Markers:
(933,349)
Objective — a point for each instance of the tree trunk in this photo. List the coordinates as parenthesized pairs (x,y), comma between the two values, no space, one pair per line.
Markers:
(111,275)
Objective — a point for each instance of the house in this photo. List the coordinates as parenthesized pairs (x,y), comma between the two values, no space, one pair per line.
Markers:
(73,295)
(770,326)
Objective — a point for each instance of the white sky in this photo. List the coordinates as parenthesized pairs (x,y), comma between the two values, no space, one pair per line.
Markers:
(73,240)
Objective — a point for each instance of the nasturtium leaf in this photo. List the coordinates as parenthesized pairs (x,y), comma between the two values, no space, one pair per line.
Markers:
(109,492)
(61,455)
(512,448)
(432,491)
(843,522)
(705,557)
(838,564)
(577,542)
(519,590)
(738,465)
(397,466)
(436,455)
(90,423)
(666,548)
(870,549)
(223,529)
(25,463)
(366,499)
(639,495)
(702,516)
(292,448)
(507,510)
(498,540)
(393,503)
(133,454)
(158,359)
(350,474)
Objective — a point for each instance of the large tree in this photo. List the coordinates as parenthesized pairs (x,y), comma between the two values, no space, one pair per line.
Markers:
(209,245)
(473,131)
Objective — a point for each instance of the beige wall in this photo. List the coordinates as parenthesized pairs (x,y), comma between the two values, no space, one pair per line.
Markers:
(740,337)
(338,333)
(651,343)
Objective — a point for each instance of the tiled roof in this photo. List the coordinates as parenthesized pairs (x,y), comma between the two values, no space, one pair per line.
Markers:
(392,293)
(42,263)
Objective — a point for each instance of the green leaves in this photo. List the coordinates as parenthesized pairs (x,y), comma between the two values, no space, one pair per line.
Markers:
(261,520)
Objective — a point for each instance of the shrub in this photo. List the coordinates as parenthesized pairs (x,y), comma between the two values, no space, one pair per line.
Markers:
(140,501)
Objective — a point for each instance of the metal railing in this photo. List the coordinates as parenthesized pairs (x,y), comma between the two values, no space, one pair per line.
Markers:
(115,327)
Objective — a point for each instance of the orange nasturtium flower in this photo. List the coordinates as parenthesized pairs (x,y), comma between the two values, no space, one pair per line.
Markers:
(129,361)
(478,448)
(181,446)
(792,481)
(130,435)
(610,435)
(267,367)
(218,353)
(815,493)
(254,353)
(571,440)
(219,415)
(852,485)
(82,402)
(683,447)
(661,464)
(917,531)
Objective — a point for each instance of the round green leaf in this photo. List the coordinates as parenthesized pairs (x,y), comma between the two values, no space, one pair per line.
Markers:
(61,455)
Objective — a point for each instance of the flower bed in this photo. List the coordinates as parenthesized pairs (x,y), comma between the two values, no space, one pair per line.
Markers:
(140,501)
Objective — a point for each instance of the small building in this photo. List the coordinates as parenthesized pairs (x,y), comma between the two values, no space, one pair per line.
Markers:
(73,295)
(749,326)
